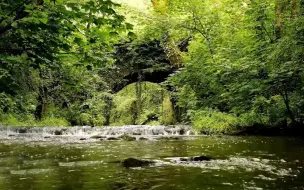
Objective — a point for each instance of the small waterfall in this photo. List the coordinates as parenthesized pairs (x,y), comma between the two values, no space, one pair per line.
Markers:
(87,131)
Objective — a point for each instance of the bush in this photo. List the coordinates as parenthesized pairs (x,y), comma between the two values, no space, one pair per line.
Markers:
(209,121)
(29,121)
(213,122)
(52,122)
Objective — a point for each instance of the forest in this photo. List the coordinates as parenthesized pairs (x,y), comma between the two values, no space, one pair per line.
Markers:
(221,66)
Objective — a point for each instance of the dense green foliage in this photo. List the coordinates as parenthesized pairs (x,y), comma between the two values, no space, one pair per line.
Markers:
(227,64)
(51,56)
(245,63)
(152,107)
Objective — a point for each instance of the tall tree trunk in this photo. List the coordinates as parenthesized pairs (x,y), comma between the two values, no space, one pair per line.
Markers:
(279,10)
(42,99)
(138,94)
(287,104)
(294,9)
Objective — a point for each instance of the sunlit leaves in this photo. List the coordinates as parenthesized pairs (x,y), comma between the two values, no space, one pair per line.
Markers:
(245,64)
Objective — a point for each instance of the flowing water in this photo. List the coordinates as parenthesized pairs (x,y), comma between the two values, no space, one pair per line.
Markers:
(252,163)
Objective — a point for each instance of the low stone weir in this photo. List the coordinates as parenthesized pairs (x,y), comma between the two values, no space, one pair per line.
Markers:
(86,132)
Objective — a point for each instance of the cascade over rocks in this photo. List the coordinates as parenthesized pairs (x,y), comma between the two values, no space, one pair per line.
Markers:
(92,134)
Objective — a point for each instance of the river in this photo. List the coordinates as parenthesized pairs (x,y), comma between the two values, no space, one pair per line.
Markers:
(252,163)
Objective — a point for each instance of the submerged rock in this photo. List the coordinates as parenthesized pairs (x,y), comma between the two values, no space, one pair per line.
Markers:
(113,139)
(169,138)
(196,159)
(189,160)
(133,162)
(143,139)
(127,137)
(97,137)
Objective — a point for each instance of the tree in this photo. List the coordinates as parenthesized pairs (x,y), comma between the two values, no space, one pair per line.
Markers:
(41,39)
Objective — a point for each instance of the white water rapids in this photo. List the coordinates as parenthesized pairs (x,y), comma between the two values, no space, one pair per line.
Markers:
(85,132)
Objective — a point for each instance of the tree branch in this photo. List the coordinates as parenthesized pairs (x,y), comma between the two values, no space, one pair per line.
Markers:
(269,36)
(15,9)
(202,33)
(75,26)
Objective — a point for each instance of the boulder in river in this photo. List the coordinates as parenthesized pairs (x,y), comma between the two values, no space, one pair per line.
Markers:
(58,132)
(22,130)
(196,159)
(127,137)
(113,139)
(136,133)
(169,138)
(133,162)
(97,137)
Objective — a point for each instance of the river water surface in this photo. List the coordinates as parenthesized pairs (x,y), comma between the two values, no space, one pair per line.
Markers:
(253,163)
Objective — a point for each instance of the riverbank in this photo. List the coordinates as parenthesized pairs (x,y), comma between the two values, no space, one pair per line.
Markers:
(260,130)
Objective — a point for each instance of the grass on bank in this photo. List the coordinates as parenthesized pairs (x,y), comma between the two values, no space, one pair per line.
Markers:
(210,122)
(14,121)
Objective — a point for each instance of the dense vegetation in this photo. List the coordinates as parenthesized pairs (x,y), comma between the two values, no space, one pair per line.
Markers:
(221,66)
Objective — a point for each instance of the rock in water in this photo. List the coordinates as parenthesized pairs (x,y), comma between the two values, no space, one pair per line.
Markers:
(170,138)
(22,131)
(98,137)
(57,132)
(201,158)
(133,162)
(127,137)
(196,159)
(113,139)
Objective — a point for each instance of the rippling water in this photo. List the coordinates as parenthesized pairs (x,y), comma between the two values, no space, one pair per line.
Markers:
(251,163)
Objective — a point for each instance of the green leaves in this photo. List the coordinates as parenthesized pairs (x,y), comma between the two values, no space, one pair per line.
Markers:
(43,46)
(234,63)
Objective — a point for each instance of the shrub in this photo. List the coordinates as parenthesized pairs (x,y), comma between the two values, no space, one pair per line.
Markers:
(211,121)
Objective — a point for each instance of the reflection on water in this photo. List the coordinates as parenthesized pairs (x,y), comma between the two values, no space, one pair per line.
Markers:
(241,163)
